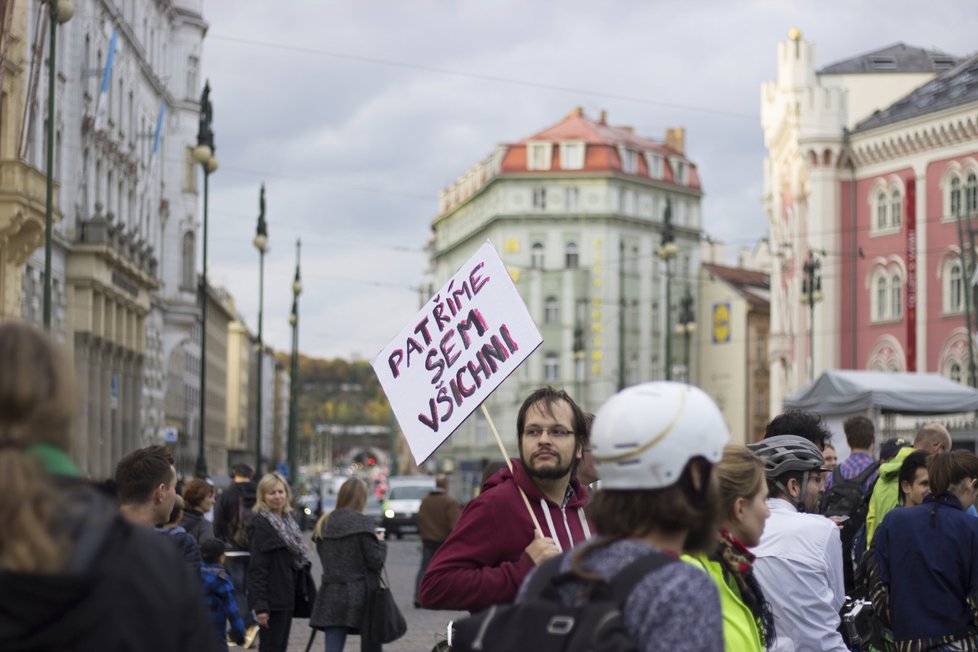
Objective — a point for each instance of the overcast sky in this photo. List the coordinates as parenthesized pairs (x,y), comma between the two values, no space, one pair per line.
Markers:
(356,113)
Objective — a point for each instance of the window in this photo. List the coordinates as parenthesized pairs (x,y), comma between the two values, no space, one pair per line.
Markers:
(551,368)
(896,294)
(971,194)
(896,209)
(536,256)
(954,371)
(551,311)
(189,256)
(540,199)
(192,63)
(881,292)
(956,197)
(570,198)
(572,156)
(633,261)
(629,202)
(881,210)
(580,311)
(654,163)
(570,256)
(538,156)
(953,286)
(629,159)
(681,172)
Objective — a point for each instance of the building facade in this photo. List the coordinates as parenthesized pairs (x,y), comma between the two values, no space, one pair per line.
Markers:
(577,213)
(735,317)
(126,111)
(812,120)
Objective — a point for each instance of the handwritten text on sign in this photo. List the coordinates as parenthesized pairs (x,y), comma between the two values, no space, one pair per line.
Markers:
(459,348)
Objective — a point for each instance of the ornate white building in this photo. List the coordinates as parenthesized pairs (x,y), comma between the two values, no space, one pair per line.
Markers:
(124,248)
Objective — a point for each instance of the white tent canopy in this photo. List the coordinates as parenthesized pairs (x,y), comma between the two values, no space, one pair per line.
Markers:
(850,392)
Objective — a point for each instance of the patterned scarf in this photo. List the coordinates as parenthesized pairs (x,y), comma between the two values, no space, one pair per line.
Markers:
(739,563)
(288,530)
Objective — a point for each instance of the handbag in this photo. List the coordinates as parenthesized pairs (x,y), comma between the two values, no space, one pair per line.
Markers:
(384,621)
(305,592)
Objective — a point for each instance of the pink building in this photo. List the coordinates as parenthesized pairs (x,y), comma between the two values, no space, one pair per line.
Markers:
(870,160)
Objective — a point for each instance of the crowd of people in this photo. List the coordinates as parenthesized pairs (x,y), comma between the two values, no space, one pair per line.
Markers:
(713,545)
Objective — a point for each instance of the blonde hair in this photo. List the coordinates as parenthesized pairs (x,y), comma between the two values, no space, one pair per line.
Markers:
(37,404)
(741,475)
(352,495)
(265,485)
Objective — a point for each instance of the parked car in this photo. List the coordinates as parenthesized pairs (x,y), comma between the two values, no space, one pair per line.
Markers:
(404,495)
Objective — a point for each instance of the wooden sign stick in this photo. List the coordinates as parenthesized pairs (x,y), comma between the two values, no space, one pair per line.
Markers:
(509,464)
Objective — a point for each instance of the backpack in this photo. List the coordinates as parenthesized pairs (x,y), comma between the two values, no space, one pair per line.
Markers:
(240,525)
(542,623)
(849,498)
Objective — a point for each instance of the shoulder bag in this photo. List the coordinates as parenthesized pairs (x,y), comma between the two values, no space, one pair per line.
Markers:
(383,621)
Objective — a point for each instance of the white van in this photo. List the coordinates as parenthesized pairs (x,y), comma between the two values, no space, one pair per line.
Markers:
(404,496)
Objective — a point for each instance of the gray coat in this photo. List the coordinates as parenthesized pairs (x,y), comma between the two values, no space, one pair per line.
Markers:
(352,559)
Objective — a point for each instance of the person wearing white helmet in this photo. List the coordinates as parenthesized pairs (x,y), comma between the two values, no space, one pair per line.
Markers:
(799,559)
(654,447)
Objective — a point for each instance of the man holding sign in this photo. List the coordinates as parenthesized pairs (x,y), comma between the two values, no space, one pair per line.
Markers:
(494,546)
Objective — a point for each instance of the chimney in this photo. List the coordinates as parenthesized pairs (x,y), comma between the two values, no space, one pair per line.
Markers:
(577,112)
(676,139)
(603,120)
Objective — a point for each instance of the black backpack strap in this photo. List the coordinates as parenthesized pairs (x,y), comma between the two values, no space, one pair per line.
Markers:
(864,476)
(627,578)
(837,475)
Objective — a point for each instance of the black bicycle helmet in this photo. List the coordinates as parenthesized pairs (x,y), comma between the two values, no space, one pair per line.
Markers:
(786,454)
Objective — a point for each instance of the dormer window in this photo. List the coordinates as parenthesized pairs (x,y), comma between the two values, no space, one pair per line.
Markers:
(572,156)
(680,171)
(538,156)
(629,160)
(655,164)
(883,63)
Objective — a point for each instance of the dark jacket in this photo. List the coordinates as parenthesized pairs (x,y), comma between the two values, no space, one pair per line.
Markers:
(928,560)
(126,588)
(226,509)
(437,516)
(271,572)
(186,544)
(352,559)
(198,526)
(483,561)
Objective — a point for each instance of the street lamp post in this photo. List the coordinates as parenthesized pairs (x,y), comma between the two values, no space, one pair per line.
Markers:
(261,244)
(811,293)
(61,12)
(293,443)
(203,153)
(667,252)
(686,326)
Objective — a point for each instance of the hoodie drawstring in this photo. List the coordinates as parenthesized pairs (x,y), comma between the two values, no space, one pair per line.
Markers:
(584,525)
(550,524)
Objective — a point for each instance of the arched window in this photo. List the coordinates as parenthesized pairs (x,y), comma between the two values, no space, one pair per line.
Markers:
(570,255)
(956,197)
(881,290)
(896,208)
(551,311)
(551,368)
(536,256)
(189,259)
(896,292)
(954,371)
(953,287)
(971,194)
(881,211)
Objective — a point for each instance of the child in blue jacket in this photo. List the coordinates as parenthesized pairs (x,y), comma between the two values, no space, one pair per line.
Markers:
(219,593)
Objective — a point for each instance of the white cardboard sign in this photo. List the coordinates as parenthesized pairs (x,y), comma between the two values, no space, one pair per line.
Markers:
(460,347)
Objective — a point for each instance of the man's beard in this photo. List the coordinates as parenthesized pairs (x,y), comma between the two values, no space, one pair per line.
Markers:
(549,472)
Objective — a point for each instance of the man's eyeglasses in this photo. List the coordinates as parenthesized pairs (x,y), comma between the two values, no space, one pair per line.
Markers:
(557,432)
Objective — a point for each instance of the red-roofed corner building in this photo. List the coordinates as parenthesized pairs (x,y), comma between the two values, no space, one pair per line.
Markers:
(558,206)
(870,162)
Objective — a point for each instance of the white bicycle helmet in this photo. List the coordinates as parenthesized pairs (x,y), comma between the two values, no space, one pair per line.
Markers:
(643,436)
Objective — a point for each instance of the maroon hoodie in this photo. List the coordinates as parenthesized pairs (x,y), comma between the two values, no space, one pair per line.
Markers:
(482,562)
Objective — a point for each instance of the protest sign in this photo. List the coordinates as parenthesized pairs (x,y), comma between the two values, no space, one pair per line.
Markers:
(465,341)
